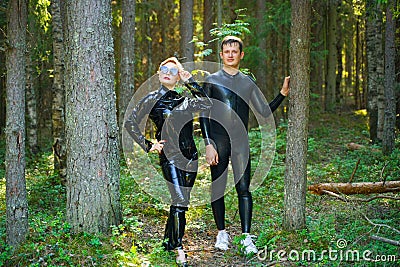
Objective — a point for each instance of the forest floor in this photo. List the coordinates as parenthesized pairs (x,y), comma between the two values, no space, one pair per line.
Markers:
(329,220)
(332,224)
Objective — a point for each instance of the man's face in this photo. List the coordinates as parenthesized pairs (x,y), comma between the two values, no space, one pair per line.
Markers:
(231,55)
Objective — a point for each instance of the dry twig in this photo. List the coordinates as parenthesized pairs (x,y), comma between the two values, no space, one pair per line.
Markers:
(354,171)
(386,240)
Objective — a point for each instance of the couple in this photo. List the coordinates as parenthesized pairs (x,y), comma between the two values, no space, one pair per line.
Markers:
(172,115)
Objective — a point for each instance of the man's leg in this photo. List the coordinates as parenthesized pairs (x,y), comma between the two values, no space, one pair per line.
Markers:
(241,170)
(219,174)
(244,195)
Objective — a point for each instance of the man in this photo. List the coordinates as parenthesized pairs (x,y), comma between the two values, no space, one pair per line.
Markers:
(224,128)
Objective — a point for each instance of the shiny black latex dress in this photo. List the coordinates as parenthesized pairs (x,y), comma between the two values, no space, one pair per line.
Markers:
(172,115)
(221,126)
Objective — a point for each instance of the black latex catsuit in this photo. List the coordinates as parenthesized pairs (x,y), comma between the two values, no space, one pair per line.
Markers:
(220,127)
(172,115)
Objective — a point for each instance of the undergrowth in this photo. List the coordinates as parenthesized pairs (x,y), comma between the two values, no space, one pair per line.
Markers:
(334,227)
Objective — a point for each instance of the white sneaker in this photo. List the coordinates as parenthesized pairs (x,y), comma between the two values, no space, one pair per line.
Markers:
(222,240)
(248,245)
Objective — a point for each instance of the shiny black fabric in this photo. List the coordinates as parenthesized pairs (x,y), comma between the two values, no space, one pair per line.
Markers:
(231,96)
(172,115)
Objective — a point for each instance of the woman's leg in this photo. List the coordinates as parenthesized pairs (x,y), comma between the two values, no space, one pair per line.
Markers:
(175,228)
(179,184)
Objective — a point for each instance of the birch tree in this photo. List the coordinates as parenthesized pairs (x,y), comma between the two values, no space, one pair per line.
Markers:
(58,105)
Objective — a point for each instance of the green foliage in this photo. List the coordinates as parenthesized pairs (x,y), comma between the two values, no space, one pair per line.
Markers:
(40,10)
(238,28)
(135,243)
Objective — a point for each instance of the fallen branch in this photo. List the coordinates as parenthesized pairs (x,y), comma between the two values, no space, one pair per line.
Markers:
(356,188)
(345,199)
(380,225)
(386,240)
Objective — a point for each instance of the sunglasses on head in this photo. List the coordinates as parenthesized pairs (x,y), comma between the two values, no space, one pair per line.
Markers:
(165,70)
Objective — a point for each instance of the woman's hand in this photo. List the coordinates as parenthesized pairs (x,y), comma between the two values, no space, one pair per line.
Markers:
(158,146)
(211,155)
(185,75)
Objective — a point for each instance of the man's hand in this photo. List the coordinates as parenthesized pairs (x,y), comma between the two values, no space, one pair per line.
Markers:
(286,86)
(211,155)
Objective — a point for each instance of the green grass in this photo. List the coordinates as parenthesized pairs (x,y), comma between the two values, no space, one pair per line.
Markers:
(329,220)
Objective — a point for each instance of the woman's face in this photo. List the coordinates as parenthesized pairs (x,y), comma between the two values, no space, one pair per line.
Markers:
(169,75)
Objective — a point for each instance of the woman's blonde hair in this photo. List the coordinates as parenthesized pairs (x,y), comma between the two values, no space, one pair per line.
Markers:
(173,60)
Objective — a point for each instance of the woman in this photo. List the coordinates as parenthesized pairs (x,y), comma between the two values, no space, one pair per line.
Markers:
(172,116)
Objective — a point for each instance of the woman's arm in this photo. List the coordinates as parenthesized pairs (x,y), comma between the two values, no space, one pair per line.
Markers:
(142,109)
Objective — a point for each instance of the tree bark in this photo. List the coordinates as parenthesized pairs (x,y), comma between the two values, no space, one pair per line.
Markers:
(58,105)
(358,65)
(31,91)
(372,74)
(209,19)
(332,56)
(380,70)
(127,60)
(16,197)
(2,86)
(356,188)
(389,134)
(339,64)
(319,63)
(186,30)
(93,201)
(296,150)
(262,68)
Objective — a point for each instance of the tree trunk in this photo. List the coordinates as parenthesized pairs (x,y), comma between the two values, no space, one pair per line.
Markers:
(380,70)
(296,150)
(31,89)
(209,19)
(389,135)
(357,98)
(339,64)
(319,63)
(93,202)
(127,60)
(16,197)
(332,56)
(186,30)
(261,71)
(371,31)
(58,105)
(2,87)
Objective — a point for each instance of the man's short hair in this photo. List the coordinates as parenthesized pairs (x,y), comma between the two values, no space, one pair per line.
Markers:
(229,40)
